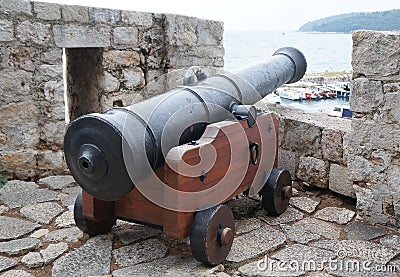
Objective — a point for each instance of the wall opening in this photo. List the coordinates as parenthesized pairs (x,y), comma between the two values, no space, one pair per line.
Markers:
(83,73)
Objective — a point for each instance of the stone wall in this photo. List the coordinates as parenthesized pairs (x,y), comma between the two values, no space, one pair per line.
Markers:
(110,56)
(374,150)
(313,147)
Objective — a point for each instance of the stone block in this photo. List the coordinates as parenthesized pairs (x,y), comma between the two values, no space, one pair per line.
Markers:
(6,31)
(70,36)
(52,133)
(371,170)
(75,13)
(179,57)
(210,33)
(140,19)
(391,109)
(332,145)
(391,87)
(369,204)
(52,56)
(100,15)
(180,30)
(120,99)
(47,11)
(125,36)
(302,138)
(366,95)
(339,180)
(19,125)
(12,6)
(20,164)
(126,58)
(51,162)
(375,55)
(313,171)
(134,78)
(109,83)
(15,86)
(379,134)
(34,32)
(288,160)
(22,57)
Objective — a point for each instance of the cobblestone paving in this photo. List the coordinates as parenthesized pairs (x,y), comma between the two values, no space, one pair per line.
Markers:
(319,235)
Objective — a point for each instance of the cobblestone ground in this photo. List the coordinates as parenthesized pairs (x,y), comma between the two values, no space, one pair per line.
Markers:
(319,235)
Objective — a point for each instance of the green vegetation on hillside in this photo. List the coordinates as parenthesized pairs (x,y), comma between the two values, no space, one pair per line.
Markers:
(346,23)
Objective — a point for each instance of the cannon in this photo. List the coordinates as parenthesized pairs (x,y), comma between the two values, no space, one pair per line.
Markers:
(174,160)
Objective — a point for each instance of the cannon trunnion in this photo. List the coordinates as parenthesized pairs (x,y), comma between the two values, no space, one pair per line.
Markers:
(173,161)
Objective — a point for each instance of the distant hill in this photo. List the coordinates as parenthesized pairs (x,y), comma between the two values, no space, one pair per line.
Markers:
(346,23)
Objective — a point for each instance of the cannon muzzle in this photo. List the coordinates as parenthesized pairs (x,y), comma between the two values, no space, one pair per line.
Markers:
(107,153)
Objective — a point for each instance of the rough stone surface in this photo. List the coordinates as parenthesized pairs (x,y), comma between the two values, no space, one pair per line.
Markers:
(20,199)
(18,186)
(140,252)
(91,259)
(36,32)
(72,234)
(302,138)
(53,251)
(339,180)
(3,209)
(359,231)
(313,171)
(334,214)
(309,226)
(66,219)
(58,182)
(6,30)
(131,235)
(181,264)
(289,215)
(32,260)
(288,160)
(382,62)
(134,78)
(16,273)
(69,36)
(47,11)
(255,243)
(366,95)
(300,235)
(392,241)
(6,263)
(12,6)
(302,253)
(332,145)
(42,212)
(137,18)
(358,249)
(75,13)
(39,233)
(247,225)
(100,15)
(19,246)
(125,36)
(12,228)
(304,204)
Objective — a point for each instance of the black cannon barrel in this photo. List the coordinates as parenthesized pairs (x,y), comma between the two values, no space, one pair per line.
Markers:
(102,149)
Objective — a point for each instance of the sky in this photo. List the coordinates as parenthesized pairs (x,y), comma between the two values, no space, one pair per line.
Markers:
(271,15)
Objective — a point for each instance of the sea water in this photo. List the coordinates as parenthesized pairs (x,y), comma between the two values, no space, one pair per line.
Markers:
(325,52)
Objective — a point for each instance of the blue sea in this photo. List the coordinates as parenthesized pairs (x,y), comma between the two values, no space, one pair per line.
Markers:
(325,52)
